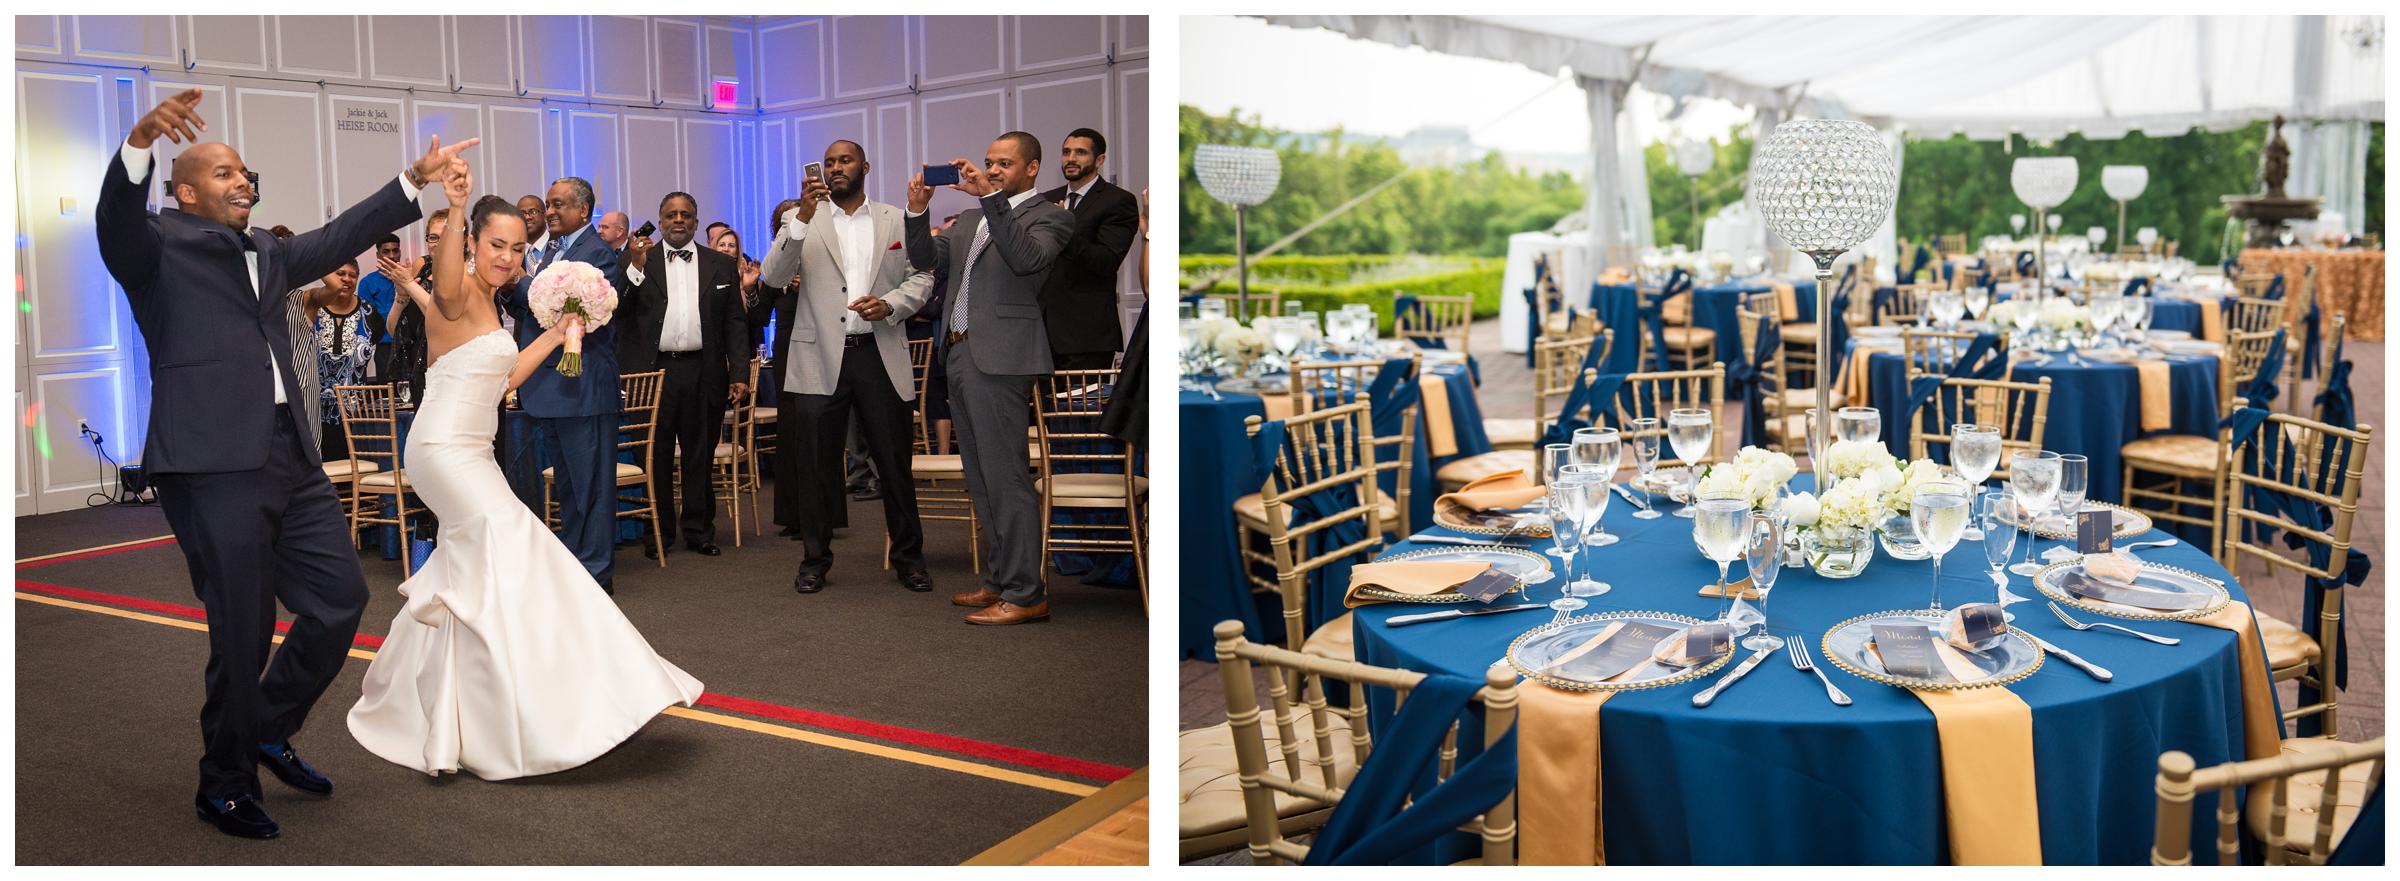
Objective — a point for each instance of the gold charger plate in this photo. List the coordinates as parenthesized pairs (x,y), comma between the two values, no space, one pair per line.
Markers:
(1442,518)
(1843,644)
(1516,651)
(1457,553)
(2128,521)
(2046,580)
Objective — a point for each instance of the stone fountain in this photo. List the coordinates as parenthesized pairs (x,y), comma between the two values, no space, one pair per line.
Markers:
(2269,211)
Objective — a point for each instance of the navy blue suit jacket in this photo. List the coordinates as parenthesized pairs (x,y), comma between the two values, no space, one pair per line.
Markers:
(209,333)
(547,394)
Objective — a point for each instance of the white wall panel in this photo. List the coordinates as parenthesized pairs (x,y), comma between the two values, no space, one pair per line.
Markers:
(367,137)
(484,52)
(1052,42)
(514,154)
(594,155)
(870,55)
(1133,36)
(813,132)
(228,43)
(282,137)
(76,312)
(960,124)
(792,64)
(319,45)
(216,106)
(550,53)
(712,170)
(1049,108)
(958,49)
(676,76)
(617,67)
(654,165)
(40,35)
(409,49)
(146,39)
(893,153)
(92,392)
(778,173)
(454,122)
(733,55)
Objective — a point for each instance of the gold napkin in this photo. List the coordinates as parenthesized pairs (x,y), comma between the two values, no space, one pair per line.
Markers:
(2212,319)
(2262,727)
(1414,578)
(2158,410)
(1988,797)
(1853,384)
(1558,777)
(1616,275)
(1278,404)
(1787,301)
(1440,436)
(1496,492)
(1741,587)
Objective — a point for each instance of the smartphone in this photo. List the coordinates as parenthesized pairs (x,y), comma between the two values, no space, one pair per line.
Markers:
(815,171)
(938,175)
(646,230)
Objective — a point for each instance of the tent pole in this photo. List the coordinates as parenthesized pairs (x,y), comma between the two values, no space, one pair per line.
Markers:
(1241,264)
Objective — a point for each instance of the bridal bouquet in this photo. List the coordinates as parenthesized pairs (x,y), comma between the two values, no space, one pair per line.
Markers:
(578,294)
(1754,472)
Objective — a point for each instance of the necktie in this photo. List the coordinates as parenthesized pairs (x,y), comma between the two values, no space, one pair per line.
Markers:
(966,278)
(685,254)
(1073,198)
(549,252)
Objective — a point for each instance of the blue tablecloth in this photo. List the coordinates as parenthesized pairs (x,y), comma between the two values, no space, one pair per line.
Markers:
(1774,773)
(1216,454)
(2094,411)
(2166,313)
(1712,307)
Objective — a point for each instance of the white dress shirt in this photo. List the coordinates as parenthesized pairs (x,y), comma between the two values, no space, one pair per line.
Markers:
(856,232)
(1078,194)
(680,329)
(137,164)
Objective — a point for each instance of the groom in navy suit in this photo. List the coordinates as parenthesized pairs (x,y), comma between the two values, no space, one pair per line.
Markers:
(577,413)
(231,449)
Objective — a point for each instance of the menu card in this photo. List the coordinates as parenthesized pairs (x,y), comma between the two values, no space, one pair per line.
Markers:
(1488,585)
(1906,650)
(1612,651)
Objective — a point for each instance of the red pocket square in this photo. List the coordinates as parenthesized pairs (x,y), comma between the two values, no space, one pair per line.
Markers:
(895,246)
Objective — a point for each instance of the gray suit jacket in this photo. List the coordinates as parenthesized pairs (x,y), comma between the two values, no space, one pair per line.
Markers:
(813,357)
(1005,309)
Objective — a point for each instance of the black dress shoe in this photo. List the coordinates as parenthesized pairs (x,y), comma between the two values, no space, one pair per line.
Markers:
(650,552)
(705,548)
(239,816)
(917,581)
(808,582)
(293,770)
(789,532)
(865,494)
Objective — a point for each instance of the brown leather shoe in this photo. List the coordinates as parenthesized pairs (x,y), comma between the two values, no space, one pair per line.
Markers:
(980,598)
(1010,613)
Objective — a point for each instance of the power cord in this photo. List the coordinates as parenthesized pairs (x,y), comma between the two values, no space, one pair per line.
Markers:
(107,465)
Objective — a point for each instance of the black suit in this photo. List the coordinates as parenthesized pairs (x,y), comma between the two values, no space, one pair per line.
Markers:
(237,474)
(692,404)
(1079,304)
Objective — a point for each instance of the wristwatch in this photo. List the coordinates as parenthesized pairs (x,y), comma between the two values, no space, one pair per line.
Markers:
(414,179)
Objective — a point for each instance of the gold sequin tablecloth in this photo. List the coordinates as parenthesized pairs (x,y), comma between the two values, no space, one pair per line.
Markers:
(2349,281)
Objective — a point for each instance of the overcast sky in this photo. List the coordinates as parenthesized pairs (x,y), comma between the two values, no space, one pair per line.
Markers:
(1311,80)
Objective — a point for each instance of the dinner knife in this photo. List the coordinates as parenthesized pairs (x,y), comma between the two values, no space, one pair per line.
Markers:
(1448,540)
(1704,698)
(1447,614)
(2098,672)
(1624,493)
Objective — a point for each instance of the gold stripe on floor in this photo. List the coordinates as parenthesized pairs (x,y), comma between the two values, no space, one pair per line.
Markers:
(1041,838)
(122,544)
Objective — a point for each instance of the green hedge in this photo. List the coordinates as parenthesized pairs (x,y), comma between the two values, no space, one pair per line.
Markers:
(1324,283)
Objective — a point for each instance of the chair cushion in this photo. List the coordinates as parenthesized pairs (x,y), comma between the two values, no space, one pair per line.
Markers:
(1510,434)
(342,470)
(1090,485)
(1469,469)
(2177,453)
(728,451)
(625,471)
(762,414)
(1334,640)
(1800,332)
(1251,510)
(2301,796)
(383,479)
(1688,337)
(926,466)
(1209,785)
(2287,646)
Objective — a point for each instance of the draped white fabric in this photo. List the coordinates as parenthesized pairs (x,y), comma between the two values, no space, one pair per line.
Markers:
(2329,161)
(1608,234)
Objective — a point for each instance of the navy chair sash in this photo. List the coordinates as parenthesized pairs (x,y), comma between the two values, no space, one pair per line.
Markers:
(2262,389)
(1750,380)
(2276,458)
(1983,359)
(1381,820)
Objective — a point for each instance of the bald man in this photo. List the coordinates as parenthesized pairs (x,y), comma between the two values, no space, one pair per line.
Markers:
(231,447)
(612,228)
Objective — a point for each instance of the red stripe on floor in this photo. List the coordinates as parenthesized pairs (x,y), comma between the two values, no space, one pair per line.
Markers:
(159,543)
(950,743)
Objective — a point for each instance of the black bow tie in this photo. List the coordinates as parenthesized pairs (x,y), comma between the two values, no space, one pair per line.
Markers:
(685,254)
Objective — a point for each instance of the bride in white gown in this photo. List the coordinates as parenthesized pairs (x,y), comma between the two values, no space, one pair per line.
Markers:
(507,660)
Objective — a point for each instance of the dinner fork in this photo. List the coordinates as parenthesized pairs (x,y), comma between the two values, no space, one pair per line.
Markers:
(1798,649)
(2071,622)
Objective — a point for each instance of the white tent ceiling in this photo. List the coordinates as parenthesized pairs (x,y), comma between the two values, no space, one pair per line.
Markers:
(1987,76)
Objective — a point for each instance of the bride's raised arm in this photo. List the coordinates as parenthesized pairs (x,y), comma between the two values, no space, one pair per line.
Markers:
(449,264)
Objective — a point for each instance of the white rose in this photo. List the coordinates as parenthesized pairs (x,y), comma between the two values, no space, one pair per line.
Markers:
(1803,509)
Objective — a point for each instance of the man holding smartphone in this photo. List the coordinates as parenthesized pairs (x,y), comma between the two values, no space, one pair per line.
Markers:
(683,315)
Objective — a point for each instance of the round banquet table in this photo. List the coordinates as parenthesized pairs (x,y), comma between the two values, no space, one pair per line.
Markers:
(2094,410)
(1714,307)
(1774,773)
(1216,464)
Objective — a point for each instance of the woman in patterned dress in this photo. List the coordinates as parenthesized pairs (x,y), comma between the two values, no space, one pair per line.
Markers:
(345,329)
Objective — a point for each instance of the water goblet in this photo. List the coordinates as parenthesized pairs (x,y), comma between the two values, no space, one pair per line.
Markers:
(1721,527)
(1645,459)
(2033,480)
(1999,521)
(1603,447)
(1589,484)
(1691,432)
(1938,509)
(1764,555)
(1858,424)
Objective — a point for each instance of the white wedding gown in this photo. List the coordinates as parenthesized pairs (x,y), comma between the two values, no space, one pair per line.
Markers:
(507,660)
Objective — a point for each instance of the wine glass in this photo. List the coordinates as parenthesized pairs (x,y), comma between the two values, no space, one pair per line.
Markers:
(1763,553)
(1690,431)
(1212,307)
(2074,482)
(1858,424)
(1999,523)
(1938,509)
(1603,447)
(1561,513)
(1978,300)
(1589,484)
(2033,479)
(1721,527)
(1645,461)
(1974,452)
(1948,308)
(2137,315)
(1565,514)
(1556,457)
(1291,307)
(1284,334)
(1311,327)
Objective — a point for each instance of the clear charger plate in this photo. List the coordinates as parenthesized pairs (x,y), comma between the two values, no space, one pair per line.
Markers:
(1541,529)
(1534,652)
(2129,522)
(2014,657)
(1527,567)
(2153,577)
(1256,385)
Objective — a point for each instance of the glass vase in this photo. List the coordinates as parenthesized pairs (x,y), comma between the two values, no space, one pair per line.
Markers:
(1899,537)
(1839,552)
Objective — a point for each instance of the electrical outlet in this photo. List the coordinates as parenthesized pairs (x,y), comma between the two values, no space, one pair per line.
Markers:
(82,427)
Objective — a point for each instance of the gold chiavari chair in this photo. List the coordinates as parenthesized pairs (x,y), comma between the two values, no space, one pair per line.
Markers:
(1322,449)
(2021,410)
(1321,749)
(736,473)
(2255,314)
(1071,473)
(2328,780)
(371,419)
(1785,410)
(939,472)
(1800,337)
(1688,345)
(1932,351)
(2333,350)
(1655,394)
(2253,284)
(1949,245)
(1318,384)
(1555,363)
(1908,302)
(343,474)
(637,429)
(1437,316)
(2175,460)
(2329,468)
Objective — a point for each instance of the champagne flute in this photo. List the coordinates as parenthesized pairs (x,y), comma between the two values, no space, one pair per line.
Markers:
(1858,424)
(1555,457)
(1562,520)
(1645,460)
(1565,514)
(1603,447)
(1999,540)
(2074,482)
(1938,509)
(1589,484)
(1974,452)
(1721,527)
(2033,479)
(1690,431)
(1764,555)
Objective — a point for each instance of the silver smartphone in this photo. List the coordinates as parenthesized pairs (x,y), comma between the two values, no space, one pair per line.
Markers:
(815,170)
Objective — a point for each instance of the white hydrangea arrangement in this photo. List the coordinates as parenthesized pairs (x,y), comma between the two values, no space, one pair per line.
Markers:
(1847,459)
(2061,314)
(2002,313)
(1754,472)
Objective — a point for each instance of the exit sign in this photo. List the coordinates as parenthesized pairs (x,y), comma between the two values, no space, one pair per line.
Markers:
(729,93)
